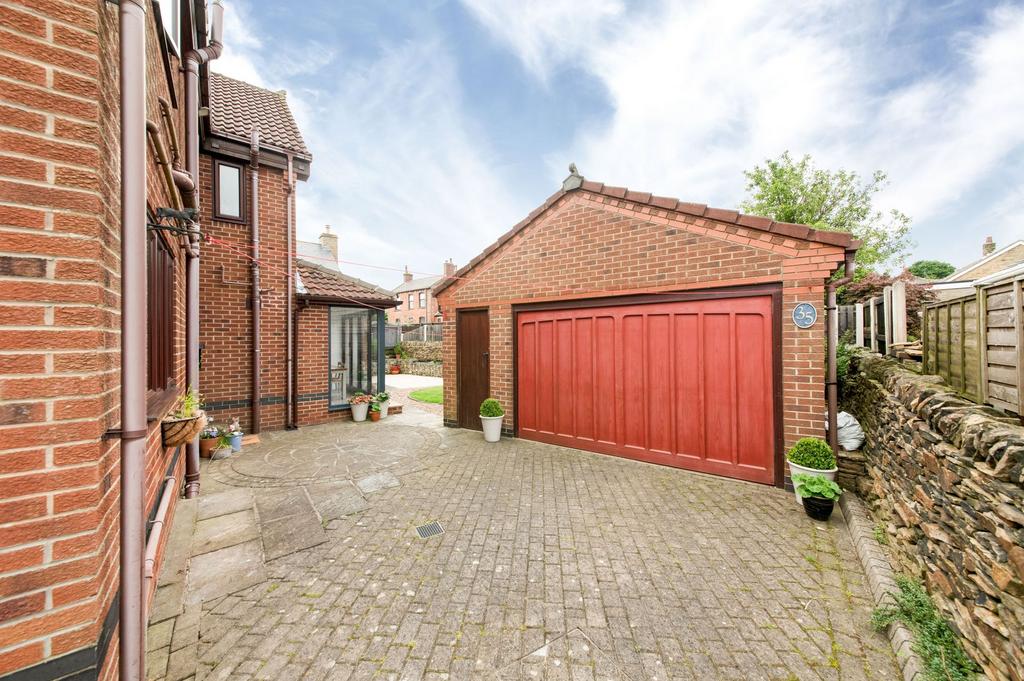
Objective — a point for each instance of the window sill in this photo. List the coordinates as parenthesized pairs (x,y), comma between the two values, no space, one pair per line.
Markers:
(158,404)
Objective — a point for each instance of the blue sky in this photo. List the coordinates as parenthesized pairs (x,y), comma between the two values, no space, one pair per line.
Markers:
(436,125)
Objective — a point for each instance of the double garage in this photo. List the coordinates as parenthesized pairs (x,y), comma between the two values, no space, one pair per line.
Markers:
(638,326)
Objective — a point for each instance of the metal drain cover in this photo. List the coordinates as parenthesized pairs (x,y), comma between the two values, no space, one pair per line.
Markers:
(431,529)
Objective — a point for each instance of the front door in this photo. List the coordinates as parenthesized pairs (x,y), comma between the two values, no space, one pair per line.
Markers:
(473,352)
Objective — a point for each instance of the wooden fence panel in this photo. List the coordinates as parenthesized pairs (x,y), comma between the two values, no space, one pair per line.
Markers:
(1002,310)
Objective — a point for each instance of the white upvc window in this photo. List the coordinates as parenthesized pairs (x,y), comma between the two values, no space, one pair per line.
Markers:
(170,17)
(423,299)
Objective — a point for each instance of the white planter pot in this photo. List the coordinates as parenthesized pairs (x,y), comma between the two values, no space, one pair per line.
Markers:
(384,409)
(795,468)
(359,411)
(492,427)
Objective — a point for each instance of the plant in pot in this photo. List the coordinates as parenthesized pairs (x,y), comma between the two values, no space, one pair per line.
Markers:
(811,456)
(491,415)
(818,493)
(234,433)
(222,449)
(360,405)
(384,400)
(186,421)
(375,411)
(208,440)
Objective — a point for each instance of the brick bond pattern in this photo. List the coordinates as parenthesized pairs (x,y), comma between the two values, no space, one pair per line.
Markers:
(588,245)
(59,334)
(623,570)
(947,478)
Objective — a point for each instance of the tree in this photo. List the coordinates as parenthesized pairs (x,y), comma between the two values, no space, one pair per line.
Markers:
(838,201)
(872,285)
(931,269)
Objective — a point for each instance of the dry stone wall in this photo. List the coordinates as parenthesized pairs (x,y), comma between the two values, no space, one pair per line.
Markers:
(946,476)
(426,351)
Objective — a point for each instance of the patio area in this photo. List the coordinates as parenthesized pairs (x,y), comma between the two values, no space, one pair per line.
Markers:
(302,561)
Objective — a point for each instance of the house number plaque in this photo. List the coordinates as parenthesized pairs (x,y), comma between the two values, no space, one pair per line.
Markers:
(804,315)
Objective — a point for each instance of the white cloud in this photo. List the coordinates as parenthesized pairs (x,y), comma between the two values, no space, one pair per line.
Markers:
(701,91)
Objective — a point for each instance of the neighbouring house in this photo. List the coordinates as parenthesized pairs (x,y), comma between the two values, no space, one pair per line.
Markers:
(246,181)
(323,251)
(992,261)
(416,301)
(94,310)
(641,326)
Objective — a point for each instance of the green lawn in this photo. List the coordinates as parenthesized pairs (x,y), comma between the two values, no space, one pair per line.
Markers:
(431,395)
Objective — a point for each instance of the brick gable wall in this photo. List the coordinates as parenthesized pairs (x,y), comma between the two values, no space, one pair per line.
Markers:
(60,324)
(588,245)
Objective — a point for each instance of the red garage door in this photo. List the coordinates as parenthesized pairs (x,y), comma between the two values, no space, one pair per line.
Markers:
(686,384)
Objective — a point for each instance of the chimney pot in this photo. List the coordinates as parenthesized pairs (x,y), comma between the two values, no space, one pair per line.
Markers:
(449,268)
(330,241)
(407,275)
(988,247)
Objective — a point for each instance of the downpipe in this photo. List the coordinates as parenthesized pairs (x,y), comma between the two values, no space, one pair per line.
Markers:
(193,60)
(254,237)
(153,543)
(831,343)
(289,414)
(132,39)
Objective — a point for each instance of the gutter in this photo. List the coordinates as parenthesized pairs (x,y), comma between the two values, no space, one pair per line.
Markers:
(831,343)
(254,243)
(193,59)
(132,44)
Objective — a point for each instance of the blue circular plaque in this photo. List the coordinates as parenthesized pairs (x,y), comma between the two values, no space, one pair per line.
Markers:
(804,315)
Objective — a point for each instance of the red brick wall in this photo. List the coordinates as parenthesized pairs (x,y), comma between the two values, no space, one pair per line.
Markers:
(225,331)
(411,314)
(589,245)
(59,324)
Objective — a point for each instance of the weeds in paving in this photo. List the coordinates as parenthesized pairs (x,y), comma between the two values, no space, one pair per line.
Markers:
(881,536)
(934,640)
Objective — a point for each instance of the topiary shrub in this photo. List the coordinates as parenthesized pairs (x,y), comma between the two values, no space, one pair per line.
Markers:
(810,452)
(491,407)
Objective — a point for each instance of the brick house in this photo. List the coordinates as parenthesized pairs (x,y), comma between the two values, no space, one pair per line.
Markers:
(64,433)
(641,326)
(992,261)
(416,301)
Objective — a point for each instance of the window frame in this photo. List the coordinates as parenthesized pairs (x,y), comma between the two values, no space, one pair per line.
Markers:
(423,299)
(161,315)
(170,19)
(381,322)
(242,217)
(410,301)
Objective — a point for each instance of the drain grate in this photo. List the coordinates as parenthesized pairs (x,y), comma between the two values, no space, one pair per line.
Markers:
(431,529)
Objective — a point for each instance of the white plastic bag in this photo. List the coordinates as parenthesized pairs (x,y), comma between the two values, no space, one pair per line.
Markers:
(851,435)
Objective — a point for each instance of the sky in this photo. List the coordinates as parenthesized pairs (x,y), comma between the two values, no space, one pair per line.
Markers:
(436,125)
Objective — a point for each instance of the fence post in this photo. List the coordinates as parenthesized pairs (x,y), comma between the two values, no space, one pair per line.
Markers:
(874,325)
(1018,317)
(899,311)
(858,315)
(887,317)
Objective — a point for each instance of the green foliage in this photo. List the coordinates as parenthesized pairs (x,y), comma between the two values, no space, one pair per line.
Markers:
(816,486)
(844,353)
(934,640)
(931,269)
(400,352)
(881,536)
(381,397)
(189,404)
(810,452)
(791,190)
(491,407)
(432,395)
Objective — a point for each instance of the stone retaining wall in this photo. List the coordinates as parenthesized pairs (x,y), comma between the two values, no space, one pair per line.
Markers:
(418,368)
(946,477)
(427,351)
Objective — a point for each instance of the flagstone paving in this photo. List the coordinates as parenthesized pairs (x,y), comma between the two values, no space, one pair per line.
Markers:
(553,564)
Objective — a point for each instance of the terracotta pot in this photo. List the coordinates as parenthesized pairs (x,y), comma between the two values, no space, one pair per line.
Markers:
(176,432)
(375,416)
(396,369)
(207,445)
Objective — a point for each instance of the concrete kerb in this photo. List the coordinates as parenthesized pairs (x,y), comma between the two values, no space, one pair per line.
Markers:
(882,581)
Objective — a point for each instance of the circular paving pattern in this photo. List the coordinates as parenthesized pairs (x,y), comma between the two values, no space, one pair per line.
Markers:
(328,453)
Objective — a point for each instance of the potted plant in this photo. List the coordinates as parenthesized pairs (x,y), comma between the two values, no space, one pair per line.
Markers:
(185,422)
(819,494)
(395,368)
(811,456)
(360,405)
(234,433)
(491,415)
(208,440)
(223,447)
(375,411)
(383,399)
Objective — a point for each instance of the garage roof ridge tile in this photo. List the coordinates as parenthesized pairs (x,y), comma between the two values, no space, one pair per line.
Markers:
(733,217)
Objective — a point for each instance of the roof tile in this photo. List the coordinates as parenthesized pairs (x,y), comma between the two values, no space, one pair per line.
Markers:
(236,106)
(320,282)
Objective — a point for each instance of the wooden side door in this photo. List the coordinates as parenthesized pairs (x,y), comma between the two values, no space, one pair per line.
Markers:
(473,352)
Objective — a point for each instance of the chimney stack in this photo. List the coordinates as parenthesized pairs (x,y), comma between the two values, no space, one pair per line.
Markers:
(988,247)
(449,268)
(407,275)
(330,242)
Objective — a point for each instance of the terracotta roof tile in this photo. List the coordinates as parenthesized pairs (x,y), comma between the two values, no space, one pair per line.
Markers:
(802,232)
(235,106)
(320,282)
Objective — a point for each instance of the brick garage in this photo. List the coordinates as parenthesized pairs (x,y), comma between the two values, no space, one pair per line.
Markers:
(610,253)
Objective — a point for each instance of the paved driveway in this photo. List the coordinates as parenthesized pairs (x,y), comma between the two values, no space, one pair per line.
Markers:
(554,564)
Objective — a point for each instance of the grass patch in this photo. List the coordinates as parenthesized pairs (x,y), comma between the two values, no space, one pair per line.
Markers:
(934,641)
(432,395)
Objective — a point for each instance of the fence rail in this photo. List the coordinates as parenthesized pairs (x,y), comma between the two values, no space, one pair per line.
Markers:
(976,342)
(396,333)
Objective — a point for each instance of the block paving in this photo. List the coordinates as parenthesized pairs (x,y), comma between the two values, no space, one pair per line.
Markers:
(554,564)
